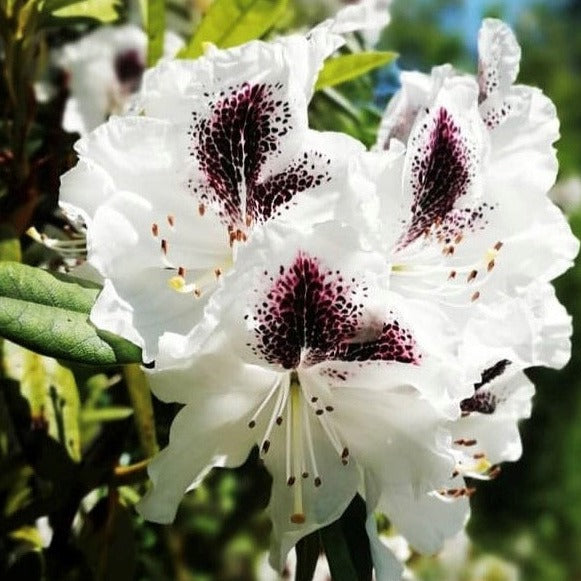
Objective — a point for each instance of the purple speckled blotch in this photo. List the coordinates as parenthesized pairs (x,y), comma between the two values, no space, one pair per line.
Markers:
(232,145)
(311,314)
(483,400)
(442,171)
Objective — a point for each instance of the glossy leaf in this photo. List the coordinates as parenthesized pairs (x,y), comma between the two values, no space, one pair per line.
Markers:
(49,314)
(350,66)
(232,22)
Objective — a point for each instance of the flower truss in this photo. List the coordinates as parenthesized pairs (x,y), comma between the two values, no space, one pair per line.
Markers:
(103,69)
(364,318)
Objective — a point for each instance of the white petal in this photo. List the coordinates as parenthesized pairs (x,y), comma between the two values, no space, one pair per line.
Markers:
(426,521)
(362,15)
(202,435)
(498,57)
(386,565)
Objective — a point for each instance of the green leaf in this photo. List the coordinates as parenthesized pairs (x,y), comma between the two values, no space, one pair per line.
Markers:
(9,244)
(232,22)
(108,414)
(101,10)
(349,66)
(308,550)
(347,545)
(49,314)
(155,20)
(51,392)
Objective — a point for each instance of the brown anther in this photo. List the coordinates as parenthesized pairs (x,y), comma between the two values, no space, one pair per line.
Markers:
(217,272)
(305,474)
(493,472)
(458,239)
(291,481)
(490,265)
(472,276)
(279,420)
(479,456)
(197,293)
(201,209)
(475,296)
(154,229)
(448,251)
(319,412)
(452,275)
(345,453)
(455,473)
(498,245)
(164,246)
(464,442)
(181,271)
(171,220)
(314,399)
(452,492)
(329,408)
(298,518)
(265,446)
(318,482)
(251,424)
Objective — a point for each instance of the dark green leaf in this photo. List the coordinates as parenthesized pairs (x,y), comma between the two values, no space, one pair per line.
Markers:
(349,66)
(308,550)
(232,22)
(347,545)
(155,30)
(49,313)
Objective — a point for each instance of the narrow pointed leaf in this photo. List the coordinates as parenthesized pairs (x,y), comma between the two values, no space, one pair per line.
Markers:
(232,22)
(53,11)
(350,66)
(49,314)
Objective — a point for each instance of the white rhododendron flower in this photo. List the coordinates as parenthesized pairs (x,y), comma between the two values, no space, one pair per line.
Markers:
(335,378)
(463,213)
(168,197)
(103,69)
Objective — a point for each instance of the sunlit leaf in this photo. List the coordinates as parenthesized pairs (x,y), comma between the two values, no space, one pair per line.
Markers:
(101,10)
(49,314)
(349,66)
(232,22)
(108,414)
(155,26)
(51,392)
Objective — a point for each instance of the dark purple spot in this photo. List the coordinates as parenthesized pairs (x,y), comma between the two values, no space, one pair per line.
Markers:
(129,67)
(311,314)
(232,146)
(483,400)
(441,173)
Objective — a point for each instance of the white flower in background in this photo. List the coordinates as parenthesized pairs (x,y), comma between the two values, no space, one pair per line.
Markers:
(336,379)
(168,197)
(103,69)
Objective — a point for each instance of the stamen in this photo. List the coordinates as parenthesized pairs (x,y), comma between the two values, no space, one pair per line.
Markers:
(264,403)
(298,516)
(311,450)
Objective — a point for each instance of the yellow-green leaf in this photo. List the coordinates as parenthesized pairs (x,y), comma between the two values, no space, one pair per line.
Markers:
(51,392)
(349,66)
(101,10)
(232,22)
(155,30)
